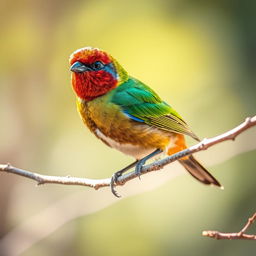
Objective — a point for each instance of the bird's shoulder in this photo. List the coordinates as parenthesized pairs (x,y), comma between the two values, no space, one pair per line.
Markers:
(138,99)
(133,91)
(142,104)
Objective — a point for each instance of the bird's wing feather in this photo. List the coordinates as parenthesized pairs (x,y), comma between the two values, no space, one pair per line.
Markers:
(142,104)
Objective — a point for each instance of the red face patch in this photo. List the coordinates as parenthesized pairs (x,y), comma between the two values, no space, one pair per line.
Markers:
(94,83)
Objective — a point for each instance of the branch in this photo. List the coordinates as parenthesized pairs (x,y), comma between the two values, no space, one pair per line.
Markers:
(232,236)
(157,165)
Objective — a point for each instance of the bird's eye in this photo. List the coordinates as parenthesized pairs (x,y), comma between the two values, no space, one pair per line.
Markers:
(97,65)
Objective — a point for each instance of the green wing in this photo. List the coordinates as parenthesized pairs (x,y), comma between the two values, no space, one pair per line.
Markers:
(142,104)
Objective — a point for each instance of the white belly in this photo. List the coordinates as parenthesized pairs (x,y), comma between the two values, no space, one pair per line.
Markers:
(135,151)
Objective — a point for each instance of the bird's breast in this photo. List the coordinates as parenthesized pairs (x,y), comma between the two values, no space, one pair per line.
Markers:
(136,151)
(113,127)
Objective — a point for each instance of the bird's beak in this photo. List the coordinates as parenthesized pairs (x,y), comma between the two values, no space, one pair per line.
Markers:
(79,67)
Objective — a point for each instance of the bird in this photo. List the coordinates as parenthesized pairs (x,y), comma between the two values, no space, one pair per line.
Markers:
(128,115)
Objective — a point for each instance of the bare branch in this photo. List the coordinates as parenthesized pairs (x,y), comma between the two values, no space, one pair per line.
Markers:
(64,180)
(157,165)
(232,236)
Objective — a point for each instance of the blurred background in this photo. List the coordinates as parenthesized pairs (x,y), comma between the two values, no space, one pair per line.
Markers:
(200,56)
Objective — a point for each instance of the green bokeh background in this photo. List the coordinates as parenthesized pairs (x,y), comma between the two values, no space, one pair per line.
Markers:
(198,55)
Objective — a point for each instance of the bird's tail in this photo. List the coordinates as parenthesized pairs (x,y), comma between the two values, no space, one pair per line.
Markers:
(198,171)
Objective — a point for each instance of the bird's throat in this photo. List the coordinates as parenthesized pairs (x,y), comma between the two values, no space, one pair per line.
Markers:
(90,86)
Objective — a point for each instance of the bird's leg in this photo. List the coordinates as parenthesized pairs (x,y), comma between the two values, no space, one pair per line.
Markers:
(118,174)
(142,161)
(139,164)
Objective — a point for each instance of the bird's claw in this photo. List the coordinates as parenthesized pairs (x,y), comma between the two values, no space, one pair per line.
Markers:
(116,175)
(113,181)
(138,168)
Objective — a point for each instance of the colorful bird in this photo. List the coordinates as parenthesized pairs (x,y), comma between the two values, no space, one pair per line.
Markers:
(128,115)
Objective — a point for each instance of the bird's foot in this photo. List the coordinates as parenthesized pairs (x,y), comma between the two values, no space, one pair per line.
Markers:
(139,166)
(141,162)
(113,181)
(116,175)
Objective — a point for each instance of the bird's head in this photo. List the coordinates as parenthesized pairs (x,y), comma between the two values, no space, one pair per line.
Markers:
(94,73)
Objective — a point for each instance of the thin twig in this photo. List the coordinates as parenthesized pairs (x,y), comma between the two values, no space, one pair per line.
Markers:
(232,236)
(157,165)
